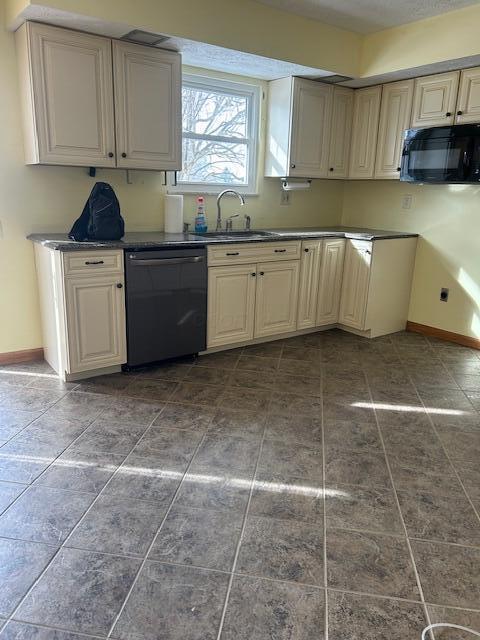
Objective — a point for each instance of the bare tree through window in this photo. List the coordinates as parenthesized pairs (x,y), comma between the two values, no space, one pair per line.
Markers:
(215,136)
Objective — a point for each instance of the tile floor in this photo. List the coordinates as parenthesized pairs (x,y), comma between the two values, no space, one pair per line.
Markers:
(266,493)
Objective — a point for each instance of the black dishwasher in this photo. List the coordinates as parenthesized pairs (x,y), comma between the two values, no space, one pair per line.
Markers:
(166,300)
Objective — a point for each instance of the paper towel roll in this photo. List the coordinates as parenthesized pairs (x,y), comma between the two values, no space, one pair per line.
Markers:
(173,214)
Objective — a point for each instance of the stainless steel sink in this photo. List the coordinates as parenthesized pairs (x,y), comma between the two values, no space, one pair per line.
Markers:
(235,235)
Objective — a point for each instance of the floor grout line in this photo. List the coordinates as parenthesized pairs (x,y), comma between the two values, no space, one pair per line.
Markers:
(409,546)
(64,543)
(325,559)
(150,547)
(240,539)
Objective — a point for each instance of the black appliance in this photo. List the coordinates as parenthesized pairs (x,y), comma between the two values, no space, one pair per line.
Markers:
(166,300)
(442,154)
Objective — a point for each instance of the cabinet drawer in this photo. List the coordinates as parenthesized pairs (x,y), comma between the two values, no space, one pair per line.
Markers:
(83,262)
(252,252)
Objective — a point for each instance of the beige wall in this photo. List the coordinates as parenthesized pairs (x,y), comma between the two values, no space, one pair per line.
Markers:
(448,255)
(244,25)
(36,199)
(449,36)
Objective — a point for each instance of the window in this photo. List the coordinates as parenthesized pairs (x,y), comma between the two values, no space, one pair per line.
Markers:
(219,139)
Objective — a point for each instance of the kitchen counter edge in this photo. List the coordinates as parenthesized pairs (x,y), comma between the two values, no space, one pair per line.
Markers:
(155,240)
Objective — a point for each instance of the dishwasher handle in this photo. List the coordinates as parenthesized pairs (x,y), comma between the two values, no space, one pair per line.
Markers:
(161,262)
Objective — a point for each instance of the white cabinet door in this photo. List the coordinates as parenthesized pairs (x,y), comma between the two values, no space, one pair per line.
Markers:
(366,111)
(434,100)
(330,281)
(95,310)
(341,134)
(231,304)
(147,107)
(395,116)
(468,104)
(277,296)
(356,279)
(308,289)
(71,95)
(310,129)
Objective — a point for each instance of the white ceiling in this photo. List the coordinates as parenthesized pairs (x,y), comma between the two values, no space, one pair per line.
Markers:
(367,16)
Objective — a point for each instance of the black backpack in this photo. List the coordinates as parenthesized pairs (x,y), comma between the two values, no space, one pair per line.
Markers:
(101,218)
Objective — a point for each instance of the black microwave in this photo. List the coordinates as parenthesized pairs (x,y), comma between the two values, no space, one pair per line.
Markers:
(442,154)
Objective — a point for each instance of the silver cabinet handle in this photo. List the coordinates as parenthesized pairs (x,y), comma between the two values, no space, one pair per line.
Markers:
(280,250)
(234,253)
(162,262)
(94,262)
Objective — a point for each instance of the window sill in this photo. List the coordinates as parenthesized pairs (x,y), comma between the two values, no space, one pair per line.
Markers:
(209,191)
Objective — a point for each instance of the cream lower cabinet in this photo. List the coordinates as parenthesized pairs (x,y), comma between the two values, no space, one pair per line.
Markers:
(308,289)
(276,298)
(330,281)
(82,303)
(356,278)
(377,279)
(95,311)
(251,301)
(231,304)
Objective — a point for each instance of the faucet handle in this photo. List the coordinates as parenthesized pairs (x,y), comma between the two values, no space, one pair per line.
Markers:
(229,223)
(248,222)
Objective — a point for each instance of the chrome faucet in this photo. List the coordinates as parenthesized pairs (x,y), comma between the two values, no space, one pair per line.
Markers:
(219,209)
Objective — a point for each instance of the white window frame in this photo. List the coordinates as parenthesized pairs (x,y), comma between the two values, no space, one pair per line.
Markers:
(253,93)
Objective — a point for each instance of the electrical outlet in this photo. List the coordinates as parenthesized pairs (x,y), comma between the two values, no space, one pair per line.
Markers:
(444,295)
(407,201)
(285,198)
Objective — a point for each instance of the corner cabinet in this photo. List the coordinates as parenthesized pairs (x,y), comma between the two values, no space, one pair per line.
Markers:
(376,285)
(72,115)
(82,296)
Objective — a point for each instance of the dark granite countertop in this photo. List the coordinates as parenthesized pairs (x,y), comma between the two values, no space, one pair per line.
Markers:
(152,240)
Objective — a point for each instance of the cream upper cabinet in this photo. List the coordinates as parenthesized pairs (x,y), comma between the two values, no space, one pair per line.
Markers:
(96,335)
(66,96)
(308,289)
(366,112)
(468,103)
(435,99)
(341,133)
(276,298)
(395,114)
(147,107)
(231,304)
(86,106)
(330,281)
(356,278)
(298,133)
(310,137)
